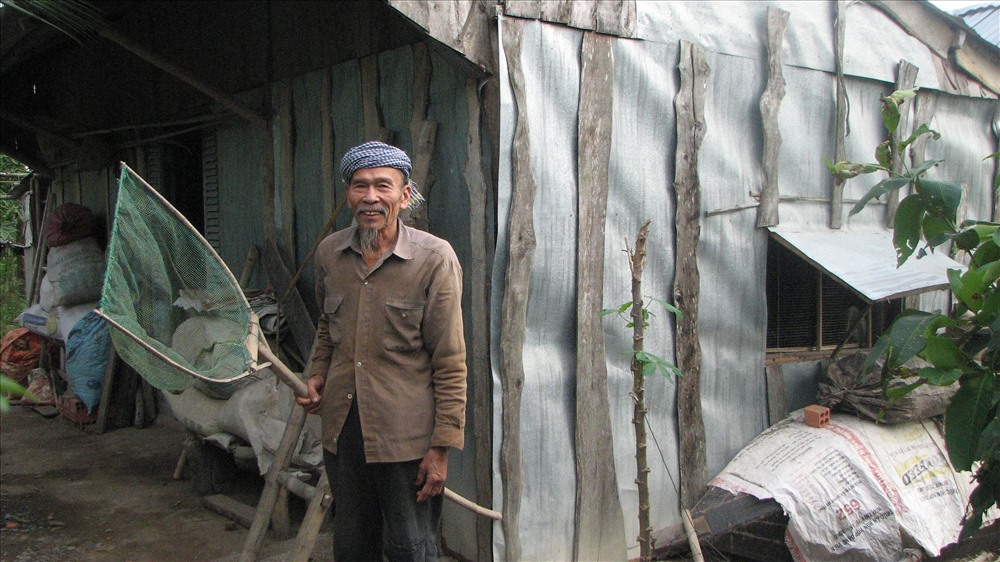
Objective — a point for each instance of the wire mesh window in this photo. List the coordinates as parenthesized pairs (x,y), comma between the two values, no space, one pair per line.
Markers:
(810,310)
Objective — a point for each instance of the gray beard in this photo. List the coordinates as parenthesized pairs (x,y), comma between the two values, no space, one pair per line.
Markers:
(368,240)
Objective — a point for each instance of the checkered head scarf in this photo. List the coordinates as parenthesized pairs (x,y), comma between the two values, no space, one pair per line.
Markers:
(376,154)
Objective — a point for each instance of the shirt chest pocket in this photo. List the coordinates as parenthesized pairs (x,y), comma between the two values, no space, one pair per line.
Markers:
(403,323)
(334,317)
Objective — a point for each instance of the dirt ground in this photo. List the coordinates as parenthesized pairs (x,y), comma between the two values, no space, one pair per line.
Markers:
(69,494)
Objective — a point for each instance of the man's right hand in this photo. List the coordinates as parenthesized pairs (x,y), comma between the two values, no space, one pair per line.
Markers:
(311,403)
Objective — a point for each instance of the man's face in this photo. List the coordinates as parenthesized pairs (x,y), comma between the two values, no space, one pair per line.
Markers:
(376,196)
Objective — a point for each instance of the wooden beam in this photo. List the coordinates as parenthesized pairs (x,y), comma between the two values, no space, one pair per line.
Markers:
(423,133)
(777,407)
(770,104)
(479,307)
(286,175)
(840,133)
(906,77)
(689,105)
(513,322)
(371,109)
(327,165)
(598,530)
(175,70)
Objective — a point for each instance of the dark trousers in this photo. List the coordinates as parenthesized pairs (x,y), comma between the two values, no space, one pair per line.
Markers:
(375,505)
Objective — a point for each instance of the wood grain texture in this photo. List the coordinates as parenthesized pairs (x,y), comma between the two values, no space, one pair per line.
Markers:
(599,531)
(840,134)
(521,250)
(770,104)
(479,300)
(689,106)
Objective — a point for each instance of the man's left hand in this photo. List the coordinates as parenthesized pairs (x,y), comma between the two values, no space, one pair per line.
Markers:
(432,473)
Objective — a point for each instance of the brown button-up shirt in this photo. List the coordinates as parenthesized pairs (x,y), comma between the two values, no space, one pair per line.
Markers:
(391,338)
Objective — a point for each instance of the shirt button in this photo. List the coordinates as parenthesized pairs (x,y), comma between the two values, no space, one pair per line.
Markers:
(359,363)
(349,396)
(334,439)
(404,315)
(366,282)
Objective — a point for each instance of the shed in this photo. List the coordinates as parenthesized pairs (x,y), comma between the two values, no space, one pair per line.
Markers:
(545,132)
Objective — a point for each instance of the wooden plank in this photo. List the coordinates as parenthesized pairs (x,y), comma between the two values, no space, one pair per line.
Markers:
(228,507)
(286,189)
(906,77)
(269,496)
(423,133)
(319,506)
(292,306)
(513,322)
(770,104)
(777,407)
(371,109)
(840,134)
(479,306)
(598,531)
(689,105)
(327,166)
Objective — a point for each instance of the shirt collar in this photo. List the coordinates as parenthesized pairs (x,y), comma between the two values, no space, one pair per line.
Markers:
(403,247)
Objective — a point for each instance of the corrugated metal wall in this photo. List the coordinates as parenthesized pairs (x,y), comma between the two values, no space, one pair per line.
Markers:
(732,250)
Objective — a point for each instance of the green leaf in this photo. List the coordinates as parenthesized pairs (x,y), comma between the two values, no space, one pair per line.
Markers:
(967,239)
(922,130)
(878,190)
(897,392)
(668,307)
(923,167)
(648,369)
(944,353)
(890,114)
(883,153)
(968,287)
(900,96)
(939,377)
(987,252)
(909,223)
(904,339)
(942,197)
(606,311)
(989,441)
(966,417)
(624,307)
(937,231)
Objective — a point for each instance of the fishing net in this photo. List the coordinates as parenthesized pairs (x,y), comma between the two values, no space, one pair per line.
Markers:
(177,309)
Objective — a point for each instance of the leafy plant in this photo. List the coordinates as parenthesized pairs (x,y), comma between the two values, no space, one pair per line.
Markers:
(643,364)
(651,363)
(962,348)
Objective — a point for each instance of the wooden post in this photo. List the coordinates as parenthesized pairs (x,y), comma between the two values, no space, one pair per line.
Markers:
(327,165)
(906,77)
(840,153)
(269,497)
(372,112)
(479,306)
(770,104)
(423,133)
(689,106)
(599,525)
(319,506)
(286,189)
(513,323)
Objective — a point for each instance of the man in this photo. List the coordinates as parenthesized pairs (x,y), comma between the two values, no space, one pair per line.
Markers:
(387,375)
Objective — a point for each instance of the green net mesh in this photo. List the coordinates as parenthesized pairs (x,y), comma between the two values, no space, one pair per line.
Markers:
(177,308)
